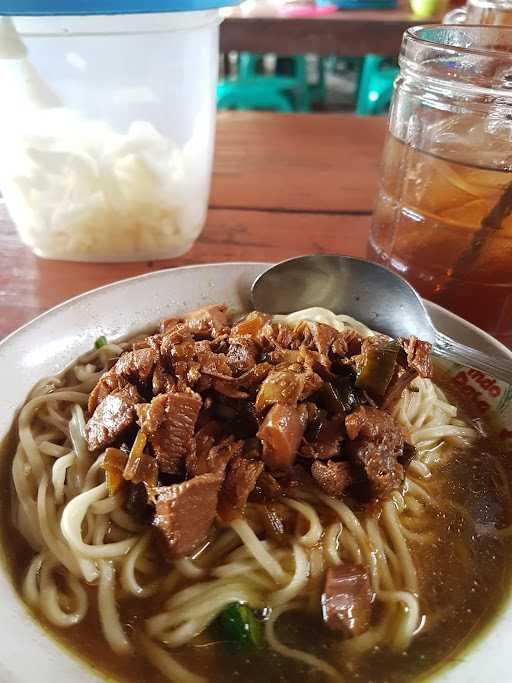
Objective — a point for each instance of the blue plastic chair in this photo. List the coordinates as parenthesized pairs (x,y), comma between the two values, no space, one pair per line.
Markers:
(375,88)
(288,90)
(252,93)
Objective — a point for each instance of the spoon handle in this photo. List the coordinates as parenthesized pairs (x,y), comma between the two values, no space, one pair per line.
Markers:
(499,368)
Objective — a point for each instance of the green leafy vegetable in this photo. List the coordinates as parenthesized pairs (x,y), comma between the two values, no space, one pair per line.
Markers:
(239,626)
(101,341)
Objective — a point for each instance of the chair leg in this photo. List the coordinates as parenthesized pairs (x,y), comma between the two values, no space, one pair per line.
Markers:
(247,65)
(317,91)
(243,98)
(321,77)
(285,66)
(371,64)
(303,98)
(381,104)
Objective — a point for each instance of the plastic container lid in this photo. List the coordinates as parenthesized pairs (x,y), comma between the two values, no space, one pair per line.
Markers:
(88,7)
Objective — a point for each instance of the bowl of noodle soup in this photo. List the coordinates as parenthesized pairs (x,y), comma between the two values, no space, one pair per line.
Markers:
(83,573)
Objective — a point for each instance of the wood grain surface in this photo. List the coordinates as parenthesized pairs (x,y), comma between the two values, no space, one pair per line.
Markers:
(344,33)
(297,162)
(283,185)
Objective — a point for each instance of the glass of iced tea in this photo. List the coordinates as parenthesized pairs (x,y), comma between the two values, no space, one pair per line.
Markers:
(443,217)
(484,12)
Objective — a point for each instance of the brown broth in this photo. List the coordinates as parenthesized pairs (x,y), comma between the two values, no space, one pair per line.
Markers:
(464,578)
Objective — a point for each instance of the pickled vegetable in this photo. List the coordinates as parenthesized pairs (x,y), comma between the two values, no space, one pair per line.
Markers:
(375,368)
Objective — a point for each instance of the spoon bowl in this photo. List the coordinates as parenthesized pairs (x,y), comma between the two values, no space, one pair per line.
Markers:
(368,292)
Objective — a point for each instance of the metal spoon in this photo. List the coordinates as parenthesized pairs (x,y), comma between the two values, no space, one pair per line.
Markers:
(368,292)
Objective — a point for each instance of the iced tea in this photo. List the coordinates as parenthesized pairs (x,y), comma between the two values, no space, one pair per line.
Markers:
(446,226)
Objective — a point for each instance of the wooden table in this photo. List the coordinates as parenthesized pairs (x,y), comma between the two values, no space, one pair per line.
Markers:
(344,33)
(283,185)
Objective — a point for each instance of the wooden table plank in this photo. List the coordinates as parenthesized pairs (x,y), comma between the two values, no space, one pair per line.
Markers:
(297,162)
(344,33)
(29,285)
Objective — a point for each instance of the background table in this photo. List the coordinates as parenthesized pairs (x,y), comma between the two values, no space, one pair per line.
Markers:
(283,185)
(344,33)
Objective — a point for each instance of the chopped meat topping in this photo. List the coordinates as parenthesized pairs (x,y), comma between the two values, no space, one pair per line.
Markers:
(150,415)
(295,477)
(136,366)
(332,477)
(254,376)
(312,384)
(317,336)
(151,342)
(275,335)
(106,384)
(329,435)
(280,386)
(369,423)
(210,320)
(206,437)
(203,323)
(241,478)
(215,460)
(241,355)
(169,325)
(267,487)
(170,425)
(417,361)
(347,600)
(251,325)
(254,411)
(184,513)
(399,381)
(346,343)
(177,348)
(377,444)
(111,418)
(419,355)
(211,363)
(162,381)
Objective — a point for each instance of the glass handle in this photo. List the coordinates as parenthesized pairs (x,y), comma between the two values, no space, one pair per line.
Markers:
(451,350)
(456,16)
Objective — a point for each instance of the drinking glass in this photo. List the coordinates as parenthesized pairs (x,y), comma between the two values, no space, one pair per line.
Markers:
(443,217)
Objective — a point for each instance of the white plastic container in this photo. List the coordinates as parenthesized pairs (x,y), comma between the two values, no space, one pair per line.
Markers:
(107,126)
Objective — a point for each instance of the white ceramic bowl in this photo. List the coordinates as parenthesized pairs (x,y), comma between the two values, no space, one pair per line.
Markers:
(54,339)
